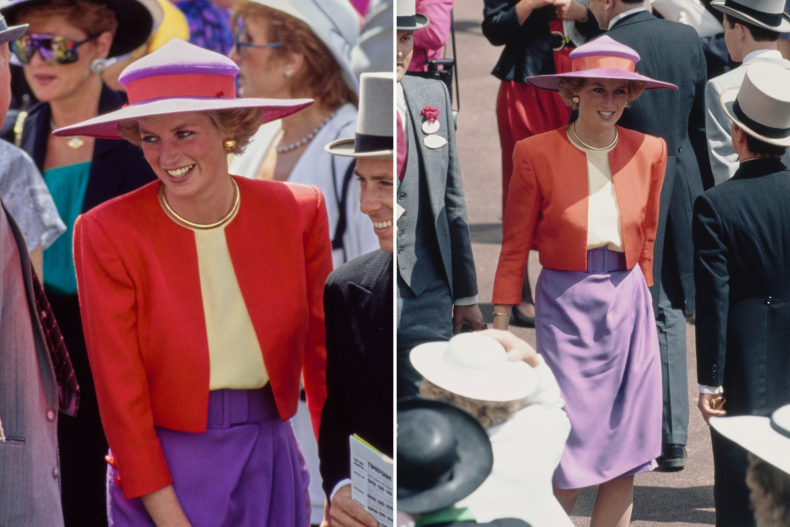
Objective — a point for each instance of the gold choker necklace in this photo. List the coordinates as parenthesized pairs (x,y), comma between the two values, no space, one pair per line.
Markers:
(585,145)
(178,219)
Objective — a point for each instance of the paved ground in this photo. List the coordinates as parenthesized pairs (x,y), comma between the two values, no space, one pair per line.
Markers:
(680,499)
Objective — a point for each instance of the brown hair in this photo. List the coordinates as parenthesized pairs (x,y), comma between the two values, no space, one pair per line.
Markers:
(321,77)
(92,18)
(770,493)
(239,124)
(759,34)
(489,413)
(570,86)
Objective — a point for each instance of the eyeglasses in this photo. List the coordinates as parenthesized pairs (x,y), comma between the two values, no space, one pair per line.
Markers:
(240,34)
(55,50)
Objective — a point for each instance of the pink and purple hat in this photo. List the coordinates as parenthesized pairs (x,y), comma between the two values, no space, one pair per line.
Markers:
(603,58)
(180,77)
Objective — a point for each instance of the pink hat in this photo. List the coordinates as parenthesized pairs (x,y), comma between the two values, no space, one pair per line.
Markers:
(180,77)
(603,58)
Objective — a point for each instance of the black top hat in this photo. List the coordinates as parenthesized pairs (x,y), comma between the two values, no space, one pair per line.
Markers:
(444,455)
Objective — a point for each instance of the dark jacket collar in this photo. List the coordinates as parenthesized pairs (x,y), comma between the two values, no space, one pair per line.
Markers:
(760,167)
(632,19)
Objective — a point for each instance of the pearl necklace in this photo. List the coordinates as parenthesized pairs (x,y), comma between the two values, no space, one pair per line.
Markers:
(201,226)
(74,142)
(585,145)
(302,142)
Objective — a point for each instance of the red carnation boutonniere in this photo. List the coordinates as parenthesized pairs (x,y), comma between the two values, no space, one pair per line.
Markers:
(430,113)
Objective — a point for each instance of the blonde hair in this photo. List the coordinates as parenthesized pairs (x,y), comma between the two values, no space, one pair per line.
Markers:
(770,494)
(489,413)
(570,87)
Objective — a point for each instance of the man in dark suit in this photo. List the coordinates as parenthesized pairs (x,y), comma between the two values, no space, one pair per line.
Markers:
(437,282)
(742,247)
(358,313)
(669,52)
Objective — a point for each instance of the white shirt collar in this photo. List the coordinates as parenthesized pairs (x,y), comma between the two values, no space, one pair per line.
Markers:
(763,53)
(624,14)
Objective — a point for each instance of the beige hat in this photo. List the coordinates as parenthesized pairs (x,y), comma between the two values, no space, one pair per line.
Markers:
(767,14)
(761,106)
(374,123)
(766,437)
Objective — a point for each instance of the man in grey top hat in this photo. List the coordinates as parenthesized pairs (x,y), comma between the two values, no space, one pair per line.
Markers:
(751,32)
(741,260)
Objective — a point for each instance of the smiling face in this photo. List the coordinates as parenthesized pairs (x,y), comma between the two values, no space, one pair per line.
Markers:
(601,103)
(405,51)
(376,198)
(186,152)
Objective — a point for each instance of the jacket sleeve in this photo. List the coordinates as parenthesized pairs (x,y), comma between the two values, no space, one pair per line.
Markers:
(711,278)
(518,228)
(318,265)
(435,35)
(500,22)
(108,305)
(650,221)
(723,159)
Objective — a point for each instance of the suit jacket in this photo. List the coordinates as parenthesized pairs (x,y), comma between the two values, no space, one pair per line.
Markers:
(358,311)
(548,205)
(29,466)
(139,288)
(678,117)
(438,169)
(723,160)
(742,272)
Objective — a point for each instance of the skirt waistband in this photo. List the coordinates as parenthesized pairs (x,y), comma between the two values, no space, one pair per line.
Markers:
(232,407)
(604,260)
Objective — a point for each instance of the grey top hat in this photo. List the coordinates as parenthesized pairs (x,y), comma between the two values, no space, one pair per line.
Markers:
(408,17)
(761,105)
(334,22)
(374,123)
(766,437)
(9,34)
(768,14)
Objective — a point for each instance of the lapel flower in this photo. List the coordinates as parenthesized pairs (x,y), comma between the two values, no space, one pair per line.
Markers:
(430,113)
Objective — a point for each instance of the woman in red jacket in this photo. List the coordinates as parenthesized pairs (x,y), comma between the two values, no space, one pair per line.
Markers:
(202,306)
(586,197)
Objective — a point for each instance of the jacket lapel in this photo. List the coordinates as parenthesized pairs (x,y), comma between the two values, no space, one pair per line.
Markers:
(372,296)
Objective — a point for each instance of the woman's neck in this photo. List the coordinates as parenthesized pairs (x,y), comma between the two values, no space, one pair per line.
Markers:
(594,136)
(78,107)
(301,124)
(207,206)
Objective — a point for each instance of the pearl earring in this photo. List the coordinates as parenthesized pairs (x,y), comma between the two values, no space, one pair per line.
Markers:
(575,100)
(229,144)
(287,73)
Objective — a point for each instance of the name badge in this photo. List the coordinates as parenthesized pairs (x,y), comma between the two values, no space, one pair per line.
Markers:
(435,141)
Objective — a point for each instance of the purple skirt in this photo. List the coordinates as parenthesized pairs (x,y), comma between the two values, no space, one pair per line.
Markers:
(245,470)
(597,333)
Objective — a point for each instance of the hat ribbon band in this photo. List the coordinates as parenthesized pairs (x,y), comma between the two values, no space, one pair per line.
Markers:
(765,131)
(600,61)
(409,21)
(771,19)
(181,85)
(372,143)
(778,429)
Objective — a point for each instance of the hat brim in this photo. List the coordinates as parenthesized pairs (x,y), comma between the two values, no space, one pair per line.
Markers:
(513,381)
(552,82)
(345,147)
(106,126)
(783,27)
(726,99)
(756,435)
(12,33)
(472,467)
(422,23)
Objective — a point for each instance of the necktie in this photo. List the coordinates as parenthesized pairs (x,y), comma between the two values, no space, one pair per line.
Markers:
(402,152)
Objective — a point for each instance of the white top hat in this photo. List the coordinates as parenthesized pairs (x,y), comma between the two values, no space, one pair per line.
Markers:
(408,17)
(766,437)
(761,106)
(767,14)
(334,22)
(474,366)
(374,123)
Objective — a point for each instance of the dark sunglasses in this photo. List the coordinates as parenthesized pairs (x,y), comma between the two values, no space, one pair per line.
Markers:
(240,34)
(55,50)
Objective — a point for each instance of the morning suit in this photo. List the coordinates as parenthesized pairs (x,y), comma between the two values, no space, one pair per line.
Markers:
(742,272)
(723,159)
(678,118)
(358,313)
(435,262)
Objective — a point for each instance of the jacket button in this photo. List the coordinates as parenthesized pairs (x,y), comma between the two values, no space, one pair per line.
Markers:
(768,301)
(55,472)
(680,149)
(401,196)
(400,234)
(51,414)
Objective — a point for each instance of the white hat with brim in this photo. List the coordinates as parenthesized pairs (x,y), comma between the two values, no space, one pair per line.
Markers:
(9,34)
(767,14)
(408,19)
(474,366)
(761,105)
(766,437)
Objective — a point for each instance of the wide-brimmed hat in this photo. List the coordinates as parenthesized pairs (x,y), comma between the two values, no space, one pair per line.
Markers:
(334,22)
(766,437)
(9,34)
(136,20)
(374,124)
(603,58)
(474,366)
(408,17)
(180,77)
(767,14)
(444,454)
(761,105)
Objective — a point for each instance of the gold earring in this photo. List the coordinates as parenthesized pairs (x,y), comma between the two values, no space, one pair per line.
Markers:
(625,105)
(229,144)
(575,100)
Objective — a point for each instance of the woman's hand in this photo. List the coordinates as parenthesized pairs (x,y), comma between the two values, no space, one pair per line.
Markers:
(502,321)
(164,508)
(516,348)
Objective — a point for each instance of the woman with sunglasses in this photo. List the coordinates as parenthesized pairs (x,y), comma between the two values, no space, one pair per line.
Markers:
(63,53)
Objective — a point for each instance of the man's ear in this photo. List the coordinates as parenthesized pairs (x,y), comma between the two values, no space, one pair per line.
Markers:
(103,44)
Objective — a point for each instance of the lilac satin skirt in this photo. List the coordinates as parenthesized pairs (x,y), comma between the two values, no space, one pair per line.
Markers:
(245,470)
(597,333)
